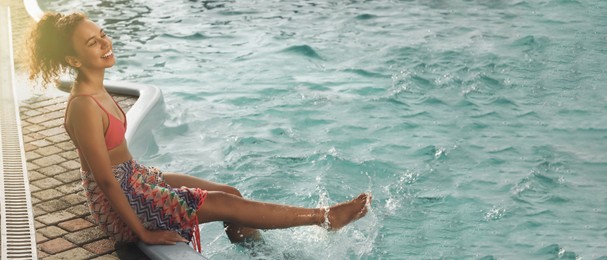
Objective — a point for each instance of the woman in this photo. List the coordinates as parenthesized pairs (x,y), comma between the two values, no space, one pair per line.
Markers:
(130,201)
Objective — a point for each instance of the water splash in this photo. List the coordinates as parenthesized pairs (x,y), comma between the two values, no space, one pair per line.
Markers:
(495,213)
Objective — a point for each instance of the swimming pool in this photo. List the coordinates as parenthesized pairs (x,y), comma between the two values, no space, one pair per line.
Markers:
(479,126)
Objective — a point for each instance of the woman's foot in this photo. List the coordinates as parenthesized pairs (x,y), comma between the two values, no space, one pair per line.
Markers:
(340,215)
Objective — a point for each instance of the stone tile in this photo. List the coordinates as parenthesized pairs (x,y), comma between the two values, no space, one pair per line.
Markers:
(49,160)
(52,170)
(31,166)
(80,210)
(85,236)
(37,119)
(41,254)
(47,194)
(75,224)
(36,137)
(46,183)
(39,143)
(34,200)
(68,177)
(59,138)
(54,115)
(52,123)
(57,106)
(26,104)
(74,199)
(71,165)
(43,110)
(48,150)
(34,175)
(32,155)
(33,128)
(100,247)
(29,147)
(45,116)
(38,211)
(67,146)
(34,189)
(70,155)
(31,113)
(28,139)
(24,123)
(53,205)
(77,253)
(52,232)
(38,225)
(40,238)
(55,217)
(44,101)
(70,188)
(52,131)
(128,102)
(56,245)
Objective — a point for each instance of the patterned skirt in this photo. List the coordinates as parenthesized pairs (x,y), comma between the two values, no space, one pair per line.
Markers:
(158,205)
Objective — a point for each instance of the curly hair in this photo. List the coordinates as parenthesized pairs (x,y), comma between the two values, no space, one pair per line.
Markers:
(49,43)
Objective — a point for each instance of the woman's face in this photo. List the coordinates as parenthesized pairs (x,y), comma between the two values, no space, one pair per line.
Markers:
(93,48)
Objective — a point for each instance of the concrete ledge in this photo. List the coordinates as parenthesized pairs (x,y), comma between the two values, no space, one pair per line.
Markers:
(177,251)
(33,9)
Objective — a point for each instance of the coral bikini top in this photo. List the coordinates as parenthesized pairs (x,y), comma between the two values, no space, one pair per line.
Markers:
(114,134)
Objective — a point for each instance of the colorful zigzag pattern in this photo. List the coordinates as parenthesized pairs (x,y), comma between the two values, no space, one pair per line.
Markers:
(158,205)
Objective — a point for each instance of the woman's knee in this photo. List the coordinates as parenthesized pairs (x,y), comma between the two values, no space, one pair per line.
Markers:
(231,190)
(216,207)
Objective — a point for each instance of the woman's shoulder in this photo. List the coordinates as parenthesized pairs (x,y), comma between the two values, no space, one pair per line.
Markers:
(81,106)
(80,102)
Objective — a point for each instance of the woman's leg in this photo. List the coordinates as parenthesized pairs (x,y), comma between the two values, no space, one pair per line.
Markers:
(221,206)
(236,233)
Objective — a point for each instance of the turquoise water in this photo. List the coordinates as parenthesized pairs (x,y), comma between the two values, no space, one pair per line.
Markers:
(479,126)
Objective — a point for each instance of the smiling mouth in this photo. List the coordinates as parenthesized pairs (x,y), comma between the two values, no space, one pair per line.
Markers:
(108,54)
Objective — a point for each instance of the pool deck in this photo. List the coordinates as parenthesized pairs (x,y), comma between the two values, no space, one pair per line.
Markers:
(64,226)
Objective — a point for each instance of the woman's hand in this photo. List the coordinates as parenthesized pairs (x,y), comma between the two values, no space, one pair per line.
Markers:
(161,237)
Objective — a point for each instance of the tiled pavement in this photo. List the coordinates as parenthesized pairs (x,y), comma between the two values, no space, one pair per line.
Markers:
(64,227)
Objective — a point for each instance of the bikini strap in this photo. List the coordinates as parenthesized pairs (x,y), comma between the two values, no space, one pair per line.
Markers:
(94,99)
(118,105)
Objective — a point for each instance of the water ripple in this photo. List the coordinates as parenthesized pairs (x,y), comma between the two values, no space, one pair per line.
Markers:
(554,250)
(537,188)
(366,73)
(365,16)
(502,101)
(193,36)
(303,50)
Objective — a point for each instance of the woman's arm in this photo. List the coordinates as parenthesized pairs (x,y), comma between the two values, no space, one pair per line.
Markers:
(87,128)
